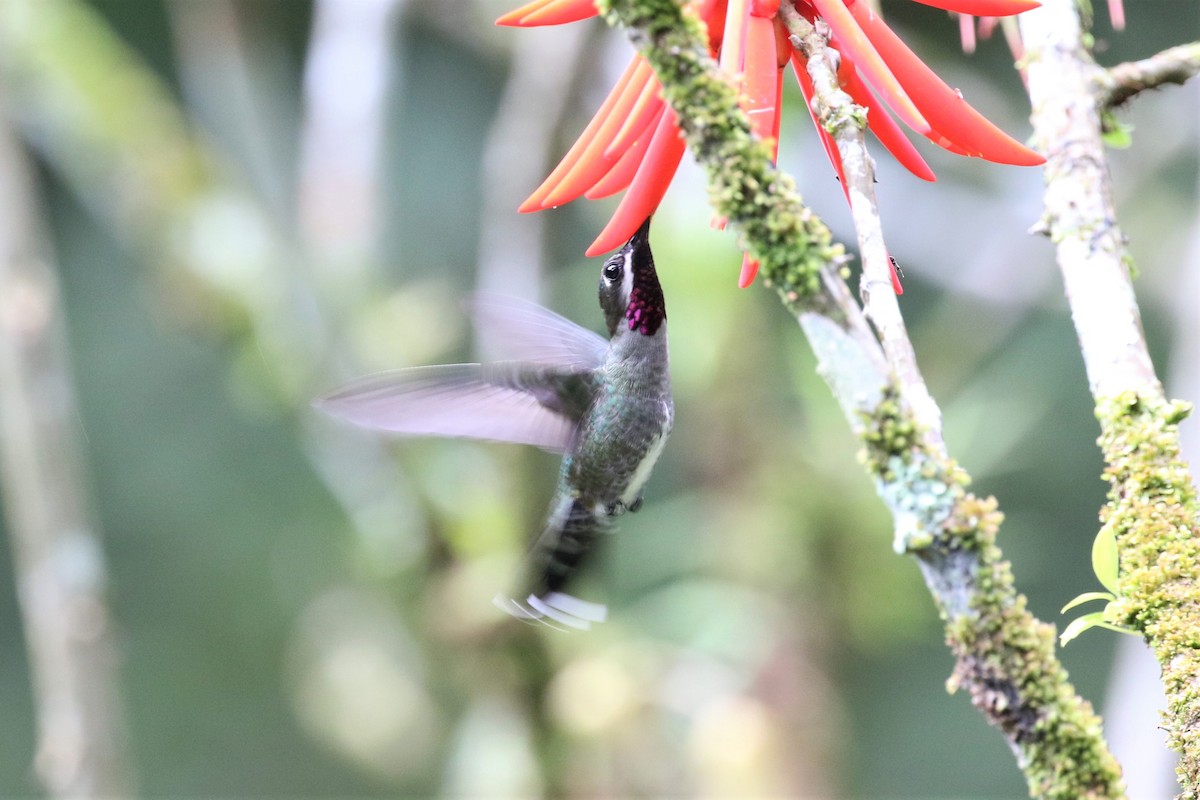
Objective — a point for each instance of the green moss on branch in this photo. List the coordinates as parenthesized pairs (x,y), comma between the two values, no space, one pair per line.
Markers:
(1154,513)
(791,243)
(1004,656)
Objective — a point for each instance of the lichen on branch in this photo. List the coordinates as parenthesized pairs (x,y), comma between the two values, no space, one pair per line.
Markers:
(1152,511)
(1155,515)
(1004,656)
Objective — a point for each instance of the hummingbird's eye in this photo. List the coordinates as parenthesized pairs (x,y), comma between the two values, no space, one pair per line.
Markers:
(612,271)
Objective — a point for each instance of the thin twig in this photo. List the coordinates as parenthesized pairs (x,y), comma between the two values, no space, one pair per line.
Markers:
(341,139)
(544,62)
(59,560)
(1122,82)
(846,122)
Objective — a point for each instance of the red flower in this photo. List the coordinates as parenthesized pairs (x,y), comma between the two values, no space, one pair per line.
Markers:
(634,142)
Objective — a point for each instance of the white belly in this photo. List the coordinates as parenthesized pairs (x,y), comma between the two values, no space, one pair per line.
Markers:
(642,473)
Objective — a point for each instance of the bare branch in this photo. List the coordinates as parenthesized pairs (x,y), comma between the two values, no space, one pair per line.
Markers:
(846,122)
(342,133)
(59,561)
(1124,81)
(1079,213)
(510,250)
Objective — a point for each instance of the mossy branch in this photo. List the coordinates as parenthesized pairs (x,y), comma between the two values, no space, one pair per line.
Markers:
(1154,513)
(1005,657)
(791,242)
(1153,509)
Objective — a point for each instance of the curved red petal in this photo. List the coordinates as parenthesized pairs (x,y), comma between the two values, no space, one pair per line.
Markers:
(549,12)
(645,110)
(596,162)
(513,18)
(733,38)
(946,144)
(984,8)
(948,114)
(714,14)
(638,70)
(966,32)
(783,45)
(799,64)
(761,78)
(648,187)
(886,130)
(778,113)
(749,271)
(622,173)
(1116,13)
(852,38)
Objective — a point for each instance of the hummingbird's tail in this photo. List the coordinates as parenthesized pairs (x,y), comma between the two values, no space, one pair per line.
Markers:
(553,561)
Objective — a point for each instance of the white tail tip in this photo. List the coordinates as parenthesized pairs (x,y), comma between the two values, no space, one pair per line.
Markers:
(562,608)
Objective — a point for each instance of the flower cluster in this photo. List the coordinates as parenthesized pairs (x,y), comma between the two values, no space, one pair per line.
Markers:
(633,143)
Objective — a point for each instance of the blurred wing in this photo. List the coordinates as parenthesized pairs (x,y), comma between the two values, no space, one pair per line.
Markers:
(525,331)
(460,400)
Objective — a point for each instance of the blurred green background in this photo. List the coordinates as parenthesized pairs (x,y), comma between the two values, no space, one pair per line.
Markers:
(302,609)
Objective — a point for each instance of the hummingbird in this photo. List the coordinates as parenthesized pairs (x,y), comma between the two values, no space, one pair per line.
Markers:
(604,404)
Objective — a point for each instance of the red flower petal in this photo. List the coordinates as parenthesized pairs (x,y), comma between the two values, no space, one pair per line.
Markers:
(588,151)
(853,39)
(778,109)
(645,110)
(761,78)
(800,65)
(714,14)
(886,130)
(1116,13)
(760,84)
(946,144)
(966,32)
(949,114)
(749,271)
(513,18)
(623,171)
(733,39)
(648,187)
(984,8)
(549,12)
(595,164)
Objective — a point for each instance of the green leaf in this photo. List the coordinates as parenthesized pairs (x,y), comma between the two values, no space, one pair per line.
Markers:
(1115,133)
(1104,558)
(1081,624)
(1087,597)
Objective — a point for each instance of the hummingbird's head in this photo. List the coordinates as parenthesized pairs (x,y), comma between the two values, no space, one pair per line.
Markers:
(629,290)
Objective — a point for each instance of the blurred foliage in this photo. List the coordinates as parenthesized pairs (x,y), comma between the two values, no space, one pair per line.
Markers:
(303,612)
